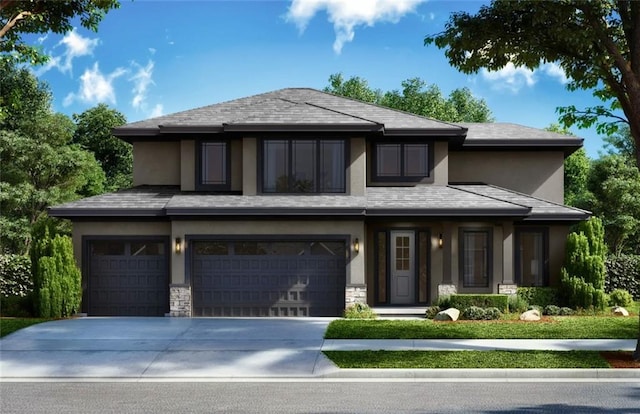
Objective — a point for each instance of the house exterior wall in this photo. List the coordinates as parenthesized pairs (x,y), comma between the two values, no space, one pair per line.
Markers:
(540,174)
(441,163)
(249,166)
(557,245)
(156,163)
(357,168)
(187,165)
(237,162)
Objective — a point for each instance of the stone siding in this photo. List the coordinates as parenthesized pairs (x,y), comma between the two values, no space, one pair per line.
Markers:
(180,301)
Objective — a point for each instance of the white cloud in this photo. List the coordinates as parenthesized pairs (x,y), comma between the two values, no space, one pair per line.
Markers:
(96,87)
(555,71)
(141,81)
(156,111)
(75,46)
(345,15)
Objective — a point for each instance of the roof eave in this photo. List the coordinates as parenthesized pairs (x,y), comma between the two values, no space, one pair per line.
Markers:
(104,212)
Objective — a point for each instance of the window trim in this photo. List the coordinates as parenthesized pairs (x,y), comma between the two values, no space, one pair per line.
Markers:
(461,250)
(402,178)
(317,141)
(199,186)
(517,260)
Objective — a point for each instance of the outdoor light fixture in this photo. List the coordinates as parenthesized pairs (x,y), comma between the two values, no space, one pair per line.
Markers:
(356,245)
(440,242)
(178,245)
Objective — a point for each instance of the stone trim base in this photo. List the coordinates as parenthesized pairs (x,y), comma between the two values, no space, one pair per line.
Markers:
(180,301)
(447,290)
(355,294)
(508,289)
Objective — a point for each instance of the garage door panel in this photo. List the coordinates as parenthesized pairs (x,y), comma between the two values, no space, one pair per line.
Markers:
(309,283)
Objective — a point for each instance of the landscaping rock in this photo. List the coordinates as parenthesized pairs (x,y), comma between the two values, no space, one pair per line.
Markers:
(530,315)
(620,311)
(451,314)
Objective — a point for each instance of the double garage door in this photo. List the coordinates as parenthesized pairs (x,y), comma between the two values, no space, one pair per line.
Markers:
(268,278)
(130,277)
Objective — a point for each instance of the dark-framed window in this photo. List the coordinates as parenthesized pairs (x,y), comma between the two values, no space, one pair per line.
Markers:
(213,165)
(532,256)
(476,257)
(303,166)
(402,161)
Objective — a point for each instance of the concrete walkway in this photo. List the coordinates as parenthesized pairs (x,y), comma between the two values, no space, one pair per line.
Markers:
(215,349)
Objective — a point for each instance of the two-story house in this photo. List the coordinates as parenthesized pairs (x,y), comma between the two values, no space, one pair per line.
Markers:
(297,202)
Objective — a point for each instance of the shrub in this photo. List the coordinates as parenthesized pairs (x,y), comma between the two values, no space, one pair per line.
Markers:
(492,313)
(623,272)
(473,313)
(620,297)
(482,301)
(541,296)
(564,311)
(15,275)
(581,294)
(517,304)
(432,311)
(444,302)
(359,311)
(551,310)
(536,307)
(17,306)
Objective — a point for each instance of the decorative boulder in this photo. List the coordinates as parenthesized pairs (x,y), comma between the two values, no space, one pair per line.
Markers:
(530,315)
(451,314)
(620,311)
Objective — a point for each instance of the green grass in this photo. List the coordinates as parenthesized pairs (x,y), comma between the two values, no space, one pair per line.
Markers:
(10,325)
(567,327)
(467,359)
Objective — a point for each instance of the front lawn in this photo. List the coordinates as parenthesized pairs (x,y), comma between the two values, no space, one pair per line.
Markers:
(467,359)
(10,325)
(564,327)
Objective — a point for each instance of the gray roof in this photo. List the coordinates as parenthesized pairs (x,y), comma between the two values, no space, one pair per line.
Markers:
(291,109)
(477,200)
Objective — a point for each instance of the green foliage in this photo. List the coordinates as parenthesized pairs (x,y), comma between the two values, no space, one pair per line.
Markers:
(432,311)
(552,310)
(16,307)
(517,304)
(93,133)
(444,302)
(623,272)
(43,16)
(581,294)
(417,98)
(565,311)
(57,278)
(620,297)
(480,300)
(569,33)
(359,311)
(576,175)
(15,275)
(475,313)
(541,296)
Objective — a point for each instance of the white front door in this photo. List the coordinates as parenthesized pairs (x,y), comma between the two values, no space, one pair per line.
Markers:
(402,267)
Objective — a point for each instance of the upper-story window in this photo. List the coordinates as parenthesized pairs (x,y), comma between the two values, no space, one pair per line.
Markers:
(303,166)
(213,166)
(401,161)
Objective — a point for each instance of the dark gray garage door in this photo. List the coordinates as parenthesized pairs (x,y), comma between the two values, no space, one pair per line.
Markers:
(127,278)
(268,278)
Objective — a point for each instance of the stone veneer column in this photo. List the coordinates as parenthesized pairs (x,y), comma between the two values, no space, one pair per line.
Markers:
(355,294)
(180,300)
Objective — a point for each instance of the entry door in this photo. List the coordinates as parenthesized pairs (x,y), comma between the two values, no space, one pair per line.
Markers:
(402,268)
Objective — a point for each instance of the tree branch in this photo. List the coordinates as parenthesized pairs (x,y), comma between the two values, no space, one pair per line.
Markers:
(13,21)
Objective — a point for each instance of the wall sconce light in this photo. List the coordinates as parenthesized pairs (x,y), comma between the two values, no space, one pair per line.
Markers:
(356,245)
(440,241)
(178,245)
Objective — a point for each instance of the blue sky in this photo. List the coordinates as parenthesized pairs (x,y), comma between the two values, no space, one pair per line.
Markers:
(157,57)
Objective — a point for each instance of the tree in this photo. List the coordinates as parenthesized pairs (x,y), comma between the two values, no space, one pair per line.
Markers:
(596,43)
(18,17)
(93,133)
(40,165)
(417,98)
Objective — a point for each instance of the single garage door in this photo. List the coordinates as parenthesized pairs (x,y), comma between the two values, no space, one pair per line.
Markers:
(268,278)
(127,278)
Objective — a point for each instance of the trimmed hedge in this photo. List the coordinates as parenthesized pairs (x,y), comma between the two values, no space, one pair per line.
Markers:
(481,301)
(623,272)
(541,296)
(475,313)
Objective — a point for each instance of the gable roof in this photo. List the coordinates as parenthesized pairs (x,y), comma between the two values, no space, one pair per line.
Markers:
(472,200)
(291,109)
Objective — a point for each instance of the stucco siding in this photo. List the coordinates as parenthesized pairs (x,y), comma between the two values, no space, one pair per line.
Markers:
(156,163)
(357,169)
(249,166)
(187,165)
(540,174)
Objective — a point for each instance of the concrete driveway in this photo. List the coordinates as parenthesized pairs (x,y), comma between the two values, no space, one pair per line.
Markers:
(166,348)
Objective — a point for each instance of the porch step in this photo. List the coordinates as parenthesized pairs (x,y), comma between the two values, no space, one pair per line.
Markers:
(400,311)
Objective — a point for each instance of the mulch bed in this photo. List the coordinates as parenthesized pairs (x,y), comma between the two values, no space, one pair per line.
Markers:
(620,359)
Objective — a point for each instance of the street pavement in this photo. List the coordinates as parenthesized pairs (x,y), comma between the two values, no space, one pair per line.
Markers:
(148,349)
